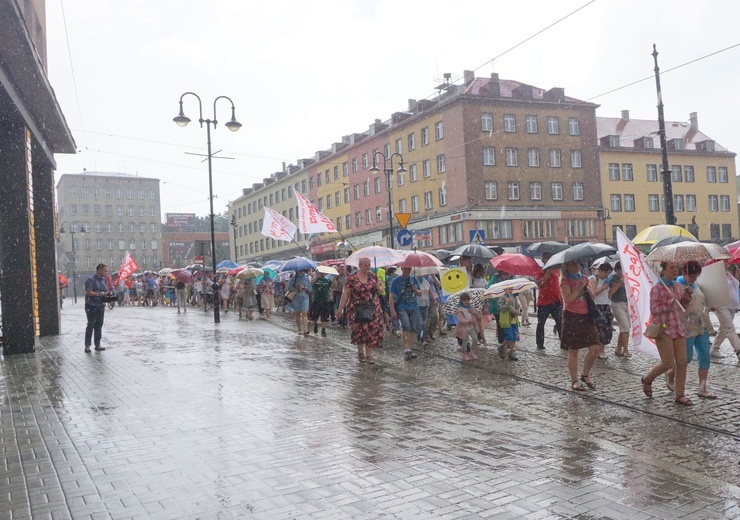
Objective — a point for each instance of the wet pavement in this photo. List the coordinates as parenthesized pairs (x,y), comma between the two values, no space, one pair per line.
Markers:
(181,418)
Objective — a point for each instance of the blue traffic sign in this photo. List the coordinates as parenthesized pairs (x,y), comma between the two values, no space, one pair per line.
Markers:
(477,236)
(404,238)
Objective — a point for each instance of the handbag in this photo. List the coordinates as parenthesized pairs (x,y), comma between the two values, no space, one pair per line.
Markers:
(364,312)
(654,331)
(288,297)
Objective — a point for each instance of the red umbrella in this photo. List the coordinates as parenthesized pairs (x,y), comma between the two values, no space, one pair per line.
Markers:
(735,258)
(332,262)
(236,270)
(515,263)
(181,275)
(420,259)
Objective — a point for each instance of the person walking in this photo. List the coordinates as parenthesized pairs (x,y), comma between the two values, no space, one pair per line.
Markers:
(578,330)
(360,303)
(320,302)
(467,328)
(726,315)
(224,292)
(549,302)
(668,300)
(267,295)
(509,310)
(600,289)
(249,298)
(620,311)
(404,306)
(299,303)
(95,288)
(337,287)
(181,295)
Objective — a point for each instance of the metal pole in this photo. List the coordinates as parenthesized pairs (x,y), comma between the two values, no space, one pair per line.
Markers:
(214,286)
(670,216)
(388,173)
(74,265)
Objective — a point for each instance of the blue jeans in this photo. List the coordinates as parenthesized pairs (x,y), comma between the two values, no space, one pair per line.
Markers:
(543,311)
(421,331)
(410,319)
(95,318)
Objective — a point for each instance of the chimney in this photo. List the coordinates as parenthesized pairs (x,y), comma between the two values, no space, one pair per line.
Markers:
(468,76)
(494,76)
(694,119)
(625,115)
(283,165)
(412,105)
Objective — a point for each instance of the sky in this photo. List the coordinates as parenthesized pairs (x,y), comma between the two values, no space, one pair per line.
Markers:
(303,74)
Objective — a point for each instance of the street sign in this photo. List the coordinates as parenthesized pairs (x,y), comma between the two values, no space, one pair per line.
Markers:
(478,236)
(404,238)
(403,219)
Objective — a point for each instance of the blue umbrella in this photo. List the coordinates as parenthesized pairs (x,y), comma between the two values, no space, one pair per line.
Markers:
(226,263)
(298,263)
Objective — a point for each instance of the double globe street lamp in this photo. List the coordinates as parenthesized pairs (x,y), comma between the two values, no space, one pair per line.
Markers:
(182,120)
(388,161)
(73,228)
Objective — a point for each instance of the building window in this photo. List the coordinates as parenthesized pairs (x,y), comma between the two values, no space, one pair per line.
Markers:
(711,174)
(142,227)
(399,145)
(111,245)
(581,228)
(713,203)
(119,193)
(676,173)
(402,206)
(387,149)
(501,229)
(557,190)
(130,211)
(724,203)
(339,224)
(346,195)
(614,171)
(678,202)
(577,191)
(413,174)
(328,202)
(152,211)
(378,213)
(486,122)
(368,217)
(491,189)
(85,209)
(627,172)
(348,222)
(129,194)
(722,174)
(450,233)
(73,209)
(511,157)
(538,229)
(575,159)
(142,211)
(555,158)
(535,190)
(426,168)
(425,136)
(153,229)
(107,193)
(310,187)
(319,183)
(489,156)
(512,190)
(345,169)
(553,125)
(109,227)
(356,190)
(653,203)
(411,140)
(690,202)
(141,194)
(401,178)
(439,131)
(443,196)
(678,144)
(629,202)
(358,219)
(120,227)
(533,157)
(652,172)
(365,163)
(427,200)
(366,188)
(355,165)
(509,123)
(614,141)
(616,203)
(441,168)
(415,204)
(574,127)
(84,192)
(531,124)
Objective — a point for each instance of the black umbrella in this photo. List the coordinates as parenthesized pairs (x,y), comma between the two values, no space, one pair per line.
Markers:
(667,241)
(475,251)
(547,247)
(585,252)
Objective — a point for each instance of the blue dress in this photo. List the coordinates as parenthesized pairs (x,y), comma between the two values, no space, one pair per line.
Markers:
(300,302)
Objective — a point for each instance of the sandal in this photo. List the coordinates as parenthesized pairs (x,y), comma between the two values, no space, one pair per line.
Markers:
(707,395)
(670,386)
(682,399)
(627,354)
(618,353)
(362,358)
(578,387)
(589,382)
(647,388)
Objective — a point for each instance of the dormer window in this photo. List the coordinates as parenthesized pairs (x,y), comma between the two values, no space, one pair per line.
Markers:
(705,146)
(614,141)
(647,142)
(678,144)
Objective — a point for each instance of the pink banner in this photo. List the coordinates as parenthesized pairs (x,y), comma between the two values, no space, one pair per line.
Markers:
(310,219)
(277,226)
(128,266)
(638,280)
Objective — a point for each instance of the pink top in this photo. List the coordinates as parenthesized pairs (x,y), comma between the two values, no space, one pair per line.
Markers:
(665,309)
(577,306)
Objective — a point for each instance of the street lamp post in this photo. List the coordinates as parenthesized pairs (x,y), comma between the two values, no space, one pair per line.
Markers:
(388,172)
(72,232)
(234,224)
(182,120)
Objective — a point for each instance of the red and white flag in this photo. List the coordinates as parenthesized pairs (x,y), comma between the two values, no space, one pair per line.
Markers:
(128,266)
(277,226)
(311,219)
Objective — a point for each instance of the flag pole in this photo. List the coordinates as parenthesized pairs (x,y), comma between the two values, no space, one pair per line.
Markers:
(345,239)
(286,232)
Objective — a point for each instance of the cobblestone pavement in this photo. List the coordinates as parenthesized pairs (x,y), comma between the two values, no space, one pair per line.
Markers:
(181,418)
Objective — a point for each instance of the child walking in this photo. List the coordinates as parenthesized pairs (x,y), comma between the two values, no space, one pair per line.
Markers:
(467,330)
(509,310)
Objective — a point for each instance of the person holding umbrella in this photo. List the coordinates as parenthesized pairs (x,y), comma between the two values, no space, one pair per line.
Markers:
(579,329)
(549,301)
(299,303)
(405,290)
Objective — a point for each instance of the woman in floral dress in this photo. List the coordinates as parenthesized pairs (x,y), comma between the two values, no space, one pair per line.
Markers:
(360,287)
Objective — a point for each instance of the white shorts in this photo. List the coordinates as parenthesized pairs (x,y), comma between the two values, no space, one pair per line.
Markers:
(622,315)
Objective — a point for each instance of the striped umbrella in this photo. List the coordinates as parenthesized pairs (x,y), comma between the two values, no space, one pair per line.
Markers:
(516,285)
(476,300)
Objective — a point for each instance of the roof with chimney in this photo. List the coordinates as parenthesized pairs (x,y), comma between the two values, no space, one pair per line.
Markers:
(508,88)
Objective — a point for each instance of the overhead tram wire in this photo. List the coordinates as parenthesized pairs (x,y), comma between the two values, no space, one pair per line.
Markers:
(72,70)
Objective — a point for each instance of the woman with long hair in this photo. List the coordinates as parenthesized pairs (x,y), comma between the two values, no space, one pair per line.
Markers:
(579,329)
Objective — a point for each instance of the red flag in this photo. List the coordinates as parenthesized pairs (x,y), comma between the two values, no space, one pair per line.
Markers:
(128,266)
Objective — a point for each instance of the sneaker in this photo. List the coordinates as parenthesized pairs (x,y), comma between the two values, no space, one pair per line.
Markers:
(540,347)
(315,328)
(513,356)
(409,355)
(323,333)
(99,348)
(715,353)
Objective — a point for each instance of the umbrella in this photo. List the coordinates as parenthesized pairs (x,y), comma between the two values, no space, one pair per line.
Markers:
(250,272)
(148,272)
(298,263)
(547,247)
(257,264)
(420,259)
(225,263)
(223,270)
(688,251)
(194,267)
(181,275)
(516,285)
(165,271)
(326,269)
(611,259)
(676,239)
(442,254)
(476,300)
(515,263)
(652,234)
(474,251)
(333,262)
(236,270)
(732,246)
(284,276)
(380,256)
(587,251)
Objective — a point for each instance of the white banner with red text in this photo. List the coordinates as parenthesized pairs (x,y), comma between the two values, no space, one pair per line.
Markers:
(277,226)
(310,219)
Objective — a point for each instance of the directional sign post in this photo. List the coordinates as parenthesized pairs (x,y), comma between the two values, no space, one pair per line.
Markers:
(404,238)
(478,236)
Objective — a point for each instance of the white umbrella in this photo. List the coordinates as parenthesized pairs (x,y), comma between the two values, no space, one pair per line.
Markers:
(165,271)
(327,269)
(379,256)
(516,285)
(250,272)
